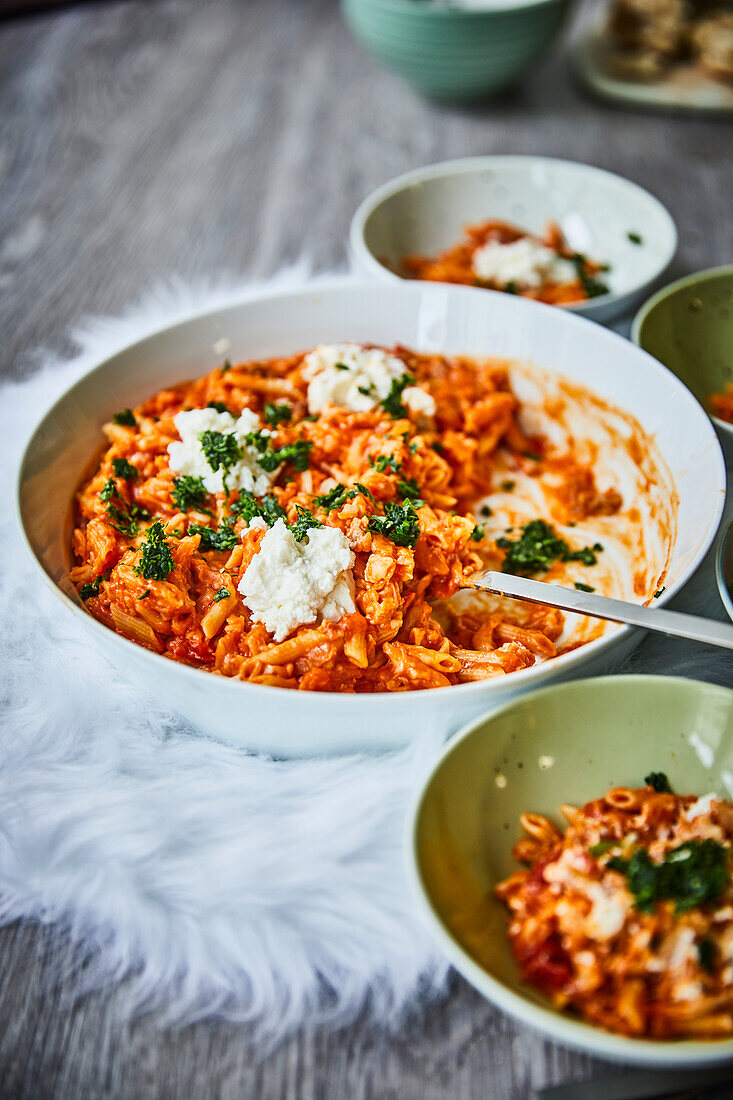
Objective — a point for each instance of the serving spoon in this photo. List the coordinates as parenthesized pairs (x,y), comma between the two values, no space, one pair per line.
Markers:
(676,623)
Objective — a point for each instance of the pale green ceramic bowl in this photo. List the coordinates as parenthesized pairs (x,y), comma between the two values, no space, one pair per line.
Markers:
(453,53)
(688,326)
(564,744)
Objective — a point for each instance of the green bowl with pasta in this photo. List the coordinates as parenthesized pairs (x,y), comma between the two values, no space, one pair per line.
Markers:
(454,50)
(564,746)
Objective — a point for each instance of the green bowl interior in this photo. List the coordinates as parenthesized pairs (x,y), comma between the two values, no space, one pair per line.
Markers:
(689,328)
(565,744)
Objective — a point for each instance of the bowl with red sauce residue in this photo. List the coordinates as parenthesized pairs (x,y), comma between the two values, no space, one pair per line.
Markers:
(688,326)
(564,745)
(648,415)
(616,238)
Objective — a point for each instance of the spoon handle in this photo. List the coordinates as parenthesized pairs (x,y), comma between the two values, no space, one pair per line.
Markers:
(676,623)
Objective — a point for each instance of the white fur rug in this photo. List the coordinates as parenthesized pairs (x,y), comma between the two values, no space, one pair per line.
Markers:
(215,882)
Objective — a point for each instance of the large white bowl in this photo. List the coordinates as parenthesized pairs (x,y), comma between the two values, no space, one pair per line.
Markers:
(425,211)
(428,317)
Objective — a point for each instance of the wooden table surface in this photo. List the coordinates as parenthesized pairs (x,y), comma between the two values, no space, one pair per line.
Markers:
(141,139)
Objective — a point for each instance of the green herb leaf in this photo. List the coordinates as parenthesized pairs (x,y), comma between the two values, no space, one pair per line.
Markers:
(399,524)
(437,447)
(510,288)
(145,594)
(226,366)
(593,287)
(478,532)
(486,511)
(109,490)
(538,547)
(221,539)
(218,405)
(707,953)
(507,486)
(409,488)
(583,587)
(691,875)
(126,418)
(221,449)
(386,463)
(277,414)
(88,590)
(392,403)
(190,492)
(304,523)
(124,469)
(659,781)
(635,238)
(248,507)
(222,594)
(156,560)
(658,592)
(602,847)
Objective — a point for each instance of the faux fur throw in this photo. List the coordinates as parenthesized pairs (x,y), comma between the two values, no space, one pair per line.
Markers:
(214,881)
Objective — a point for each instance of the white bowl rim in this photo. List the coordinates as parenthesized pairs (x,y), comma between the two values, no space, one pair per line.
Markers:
(467,165)
(374,700)
(725,540)
(652,302)
(548,1020)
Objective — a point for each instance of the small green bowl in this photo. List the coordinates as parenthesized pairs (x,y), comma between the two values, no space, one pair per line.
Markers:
(688,326)
(453,53)
(565,744)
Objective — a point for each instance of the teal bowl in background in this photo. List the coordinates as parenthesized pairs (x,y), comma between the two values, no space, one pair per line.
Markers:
(453,53)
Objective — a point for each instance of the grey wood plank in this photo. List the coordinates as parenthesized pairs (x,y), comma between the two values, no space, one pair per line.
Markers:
(141,139)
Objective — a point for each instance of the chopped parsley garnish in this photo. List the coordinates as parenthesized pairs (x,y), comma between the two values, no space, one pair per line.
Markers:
(602,847)
(659,591)
(249,507)
(392,403)
(189,492)
(340,366)
(221,449)
(156,560)
(123,520)
(222,594)
(691,875)
(478,532)
(226,366)
(583,587)
(706,954)
(533,455)
(507,486)
(409,488)
(437,447)
(399,524)
(538,547)
(109,490)
(593,287)
(485,511)
(126,418)
(635,238)
(510,288)
(303,524)
(88,590)
(413,446)
(276,414)
(338,496)
(145,594)
(124,469)
(221,538)
(269,458)
(218,405)
(385,463)
(659,781)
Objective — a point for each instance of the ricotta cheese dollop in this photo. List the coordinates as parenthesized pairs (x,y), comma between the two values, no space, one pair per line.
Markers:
(525,262)
(358,378)
(289,583)
(188,457)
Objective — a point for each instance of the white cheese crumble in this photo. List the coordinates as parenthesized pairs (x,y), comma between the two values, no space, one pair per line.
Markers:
(187,456)
(288,583)
(703,805)
(358,378)
(525,262)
